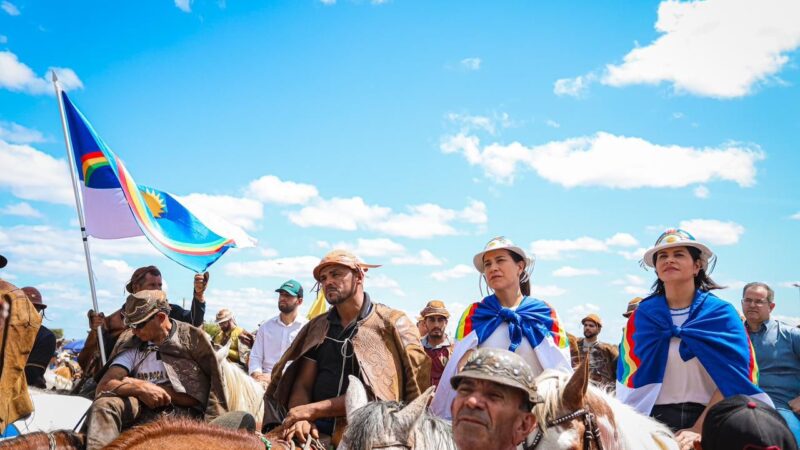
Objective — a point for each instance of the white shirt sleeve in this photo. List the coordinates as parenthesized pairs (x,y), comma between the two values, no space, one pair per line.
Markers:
(257,352)
(125,359)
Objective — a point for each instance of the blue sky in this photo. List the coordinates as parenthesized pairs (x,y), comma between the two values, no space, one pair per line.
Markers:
(412,132)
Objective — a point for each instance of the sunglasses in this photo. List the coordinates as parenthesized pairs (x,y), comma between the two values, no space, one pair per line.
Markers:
(141,325)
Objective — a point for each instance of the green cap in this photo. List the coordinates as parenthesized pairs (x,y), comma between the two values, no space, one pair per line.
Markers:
(292,288)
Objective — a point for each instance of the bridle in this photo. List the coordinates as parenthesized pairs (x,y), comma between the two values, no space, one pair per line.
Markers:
(591,432)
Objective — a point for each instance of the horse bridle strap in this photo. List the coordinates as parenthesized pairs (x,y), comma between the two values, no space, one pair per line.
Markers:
(591,432)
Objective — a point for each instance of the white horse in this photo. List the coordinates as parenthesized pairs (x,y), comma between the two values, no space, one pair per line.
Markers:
(242,392)
(53,412)
(574,411)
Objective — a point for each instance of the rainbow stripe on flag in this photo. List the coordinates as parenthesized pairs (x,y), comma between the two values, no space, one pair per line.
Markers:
(115,206)
(465,322)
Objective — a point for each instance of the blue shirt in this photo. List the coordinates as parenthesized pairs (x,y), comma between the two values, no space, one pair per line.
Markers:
(777,347)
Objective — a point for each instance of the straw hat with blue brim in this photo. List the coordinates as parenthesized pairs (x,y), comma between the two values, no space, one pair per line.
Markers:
(675,237)
(500,243)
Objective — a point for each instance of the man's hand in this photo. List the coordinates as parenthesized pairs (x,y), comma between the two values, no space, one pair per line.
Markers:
(795,405)
(300,430)
(263,378)
(298,413)
(95,319)
(247,339)
(153,396)
(200,283)
(686,438)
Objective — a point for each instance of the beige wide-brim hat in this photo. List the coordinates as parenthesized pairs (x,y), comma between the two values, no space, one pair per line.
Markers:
(500,243)
(675,237)
(223,316)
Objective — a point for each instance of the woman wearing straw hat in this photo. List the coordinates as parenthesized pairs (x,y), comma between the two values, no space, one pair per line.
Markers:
(507,319)
(683,348)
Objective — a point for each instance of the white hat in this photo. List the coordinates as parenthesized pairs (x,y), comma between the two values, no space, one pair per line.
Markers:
(675,237)
(223,315)
(497,244)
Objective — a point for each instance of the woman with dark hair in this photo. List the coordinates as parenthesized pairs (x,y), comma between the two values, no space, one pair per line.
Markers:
(508,318)
(684,349)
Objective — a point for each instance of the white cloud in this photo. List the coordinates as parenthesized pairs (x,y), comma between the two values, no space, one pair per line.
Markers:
(470,122)
(459,271)
(9,8)
(383,282)
(268,252)
(713,232)
(372,247)
(572,319)
(328,2)
(21,209)
(421,221)
(634,255)
(290,267)
(569,271)
(552,123)
(633,285)
(559,248)
(423,258)
(701,192)
(271,189)
(714,48)
(796,216)
(118,268)
(545,291)
(184,5)
(16,76)
(790,284)
(611,161)
(471,63)
(36,175)
(574,87)
(17,134)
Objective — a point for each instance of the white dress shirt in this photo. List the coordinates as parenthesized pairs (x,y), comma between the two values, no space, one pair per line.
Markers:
(272,339)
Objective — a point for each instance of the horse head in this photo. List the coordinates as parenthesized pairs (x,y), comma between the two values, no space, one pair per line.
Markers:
(389,425)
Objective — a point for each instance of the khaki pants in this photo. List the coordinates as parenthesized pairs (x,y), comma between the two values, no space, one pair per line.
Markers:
(109,416)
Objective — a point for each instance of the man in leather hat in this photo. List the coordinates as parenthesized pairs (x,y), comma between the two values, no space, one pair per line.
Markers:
(436,342)
(602,356)
(163,366)
(495,394)
(377,344)
(43,348)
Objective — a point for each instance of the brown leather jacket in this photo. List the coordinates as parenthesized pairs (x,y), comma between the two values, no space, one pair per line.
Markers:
(17,335)
(190,364)
(602,363)
(387,346)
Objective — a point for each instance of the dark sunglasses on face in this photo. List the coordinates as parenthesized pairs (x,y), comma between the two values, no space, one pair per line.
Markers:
(141,325)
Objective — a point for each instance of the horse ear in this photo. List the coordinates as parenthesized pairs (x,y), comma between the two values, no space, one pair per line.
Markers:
(575,392)
(355,398)
(222,352)
(416,408)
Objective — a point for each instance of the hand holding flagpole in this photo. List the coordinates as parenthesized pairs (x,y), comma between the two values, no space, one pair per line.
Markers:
(79,206)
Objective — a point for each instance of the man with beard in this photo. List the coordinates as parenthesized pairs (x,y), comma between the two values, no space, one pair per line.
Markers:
(602,356)
(495,394)
(436,342)
(276,334)
(373,342)
(229,332)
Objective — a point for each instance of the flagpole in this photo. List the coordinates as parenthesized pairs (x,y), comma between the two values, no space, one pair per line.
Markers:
(79,206)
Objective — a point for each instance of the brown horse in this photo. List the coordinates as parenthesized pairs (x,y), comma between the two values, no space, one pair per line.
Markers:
(187,434)
(60,440)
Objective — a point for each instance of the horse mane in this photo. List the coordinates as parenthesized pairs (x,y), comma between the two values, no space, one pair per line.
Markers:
(65,439)
(242,392)
(371,421)
(184,433)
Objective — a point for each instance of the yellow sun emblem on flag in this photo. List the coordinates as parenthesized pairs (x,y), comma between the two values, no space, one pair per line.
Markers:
(155,202)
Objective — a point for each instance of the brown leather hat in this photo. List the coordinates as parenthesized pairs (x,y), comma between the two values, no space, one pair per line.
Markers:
(35,297)
(632,305)
(343,258)
(502,367)
(143,305)
(594,318)
(435,308)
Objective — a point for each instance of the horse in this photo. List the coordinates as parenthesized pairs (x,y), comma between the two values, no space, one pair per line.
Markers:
(188,434)
(390,425)
(242,392)
(577,415)
(55,440)
(52,412)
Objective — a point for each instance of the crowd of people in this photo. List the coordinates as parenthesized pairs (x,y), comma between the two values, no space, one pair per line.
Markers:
(687,358)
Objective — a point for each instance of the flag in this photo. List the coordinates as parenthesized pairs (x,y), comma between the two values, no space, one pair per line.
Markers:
(115,206)
(320,306)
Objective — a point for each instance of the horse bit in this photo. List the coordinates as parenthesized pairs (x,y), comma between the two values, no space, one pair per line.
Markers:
(591,432)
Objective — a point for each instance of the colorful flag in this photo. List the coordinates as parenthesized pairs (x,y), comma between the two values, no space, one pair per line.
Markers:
(115,206)
(320,306)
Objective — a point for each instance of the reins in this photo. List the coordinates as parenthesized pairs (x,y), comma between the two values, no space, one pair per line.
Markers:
(591,432)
